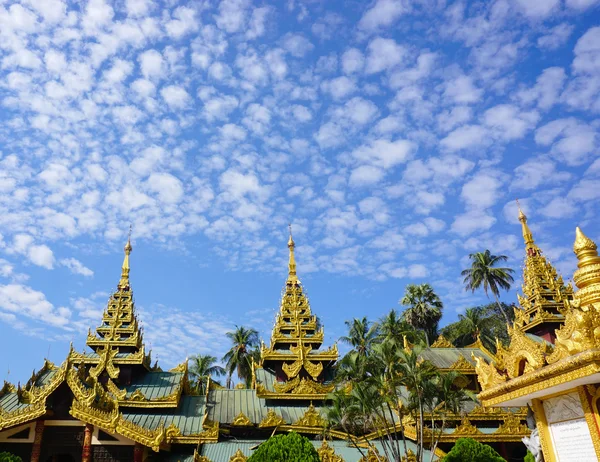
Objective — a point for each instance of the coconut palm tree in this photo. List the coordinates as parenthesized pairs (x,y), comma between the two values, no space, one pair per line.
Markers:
(238,358)
(203,367)
(484,273)
(361,335)
(424,309)
(393,328)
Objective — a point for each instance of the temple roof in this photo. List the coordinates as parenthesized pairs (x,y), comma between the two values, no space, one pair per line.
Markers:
(545,296)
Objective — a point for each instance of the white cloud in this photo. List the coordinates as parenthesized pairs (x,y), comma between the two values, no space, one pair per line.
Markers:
(546,89)
(465,137)
(366,175)
(232,15)
(24,301)
(76,267)
(152,64)
(556,36)
(587,52)
(384,153)
(461,90)
(168,188)
(572,141)
(257,22)
(382,13)
(182,23)
(537,9)
(536,172)
(297,45)
(352,61)
(340,87)
(383,54)
(175,96)
(482,191)
(507,122)
(471,221)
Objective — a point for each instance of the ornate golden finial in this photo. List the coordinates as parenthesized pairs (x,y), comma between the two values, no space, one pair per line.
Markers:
(124,282)
(527,236)
(292,277)
(589,264)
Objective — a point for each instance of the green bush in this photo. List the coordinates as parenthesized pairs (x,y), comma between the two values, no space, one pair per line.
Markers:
(529,457)
(469,450)
(8,457)
(290,447)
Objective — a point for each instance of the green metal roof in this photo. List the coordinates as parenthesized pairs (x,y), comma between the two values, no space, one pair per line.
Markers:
(267,378)
(187,416)
(222,451)
(444,358)
(10,402)
(225,405)
(156,385)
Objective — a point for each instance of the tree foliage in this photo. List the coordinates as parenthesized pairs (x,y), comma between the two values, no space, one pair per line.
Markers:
(486,321)
(361,335)
(239,358)
(388,383)
(469,450)
(529,457)
(484,273)
(8,457)
(290,447)
(424,309)
(202,367)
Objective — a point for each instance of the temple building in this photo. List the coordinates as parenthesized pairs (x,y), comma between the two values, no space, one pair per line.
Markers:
(111,403)
(552,363)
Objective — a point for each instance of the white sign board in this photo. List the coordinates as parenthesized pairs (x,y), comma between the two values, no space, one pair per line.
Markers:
(572,441)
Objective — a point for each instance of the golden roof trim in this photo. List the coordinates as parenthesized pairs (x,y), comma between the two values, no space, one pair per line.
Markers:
(241,420)
(442,342)
(272,419)
(311,418)
(327,453)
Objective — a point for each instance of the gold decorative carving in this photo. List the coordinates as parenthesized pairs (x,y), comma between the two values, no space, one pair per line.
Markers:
(466,428)
(116,391)
(241,420)
(442,342)
(409,457)
(311,418)
(487,374)
(327,453)
(462,364)
(271,420)
(238,457)
(137,395)
(512,425)
(373,456)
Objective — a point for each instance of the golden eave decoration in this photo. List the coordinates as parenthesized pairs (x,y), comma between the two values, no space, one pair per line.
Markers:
(576,353)
(311,418)
(271,420)
(442,342)
(238,457)
(241,420)
(327,453)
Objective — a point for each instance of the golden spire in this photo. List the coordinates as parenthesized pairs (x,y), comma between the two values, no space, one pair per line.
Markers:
(292,277)
(588,273)
(527,236)
(124,282)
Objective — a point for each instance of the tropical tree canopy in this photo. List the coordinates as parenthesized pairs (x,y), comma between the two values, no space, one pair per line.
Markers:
(8,457)
(361,335)
(484,273)
(486,321)
(424,309)
(469,450)
(291,447)
(239,358)
(201,368)
(394,328)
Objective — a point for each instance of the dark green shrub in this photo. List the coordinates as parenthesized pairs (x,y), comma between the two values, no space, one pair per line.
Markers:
(290,447)
(469,450)
(529,457)
(8,457)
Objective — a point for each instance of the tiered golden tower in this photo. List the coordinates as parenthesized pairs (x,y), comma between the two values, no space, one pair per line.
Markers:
(545,296)
(293,357)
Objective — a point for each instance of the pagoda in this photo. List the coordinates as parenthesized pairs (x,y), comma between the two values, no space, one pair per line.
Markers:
(545,296)
(559,380)
(293,367)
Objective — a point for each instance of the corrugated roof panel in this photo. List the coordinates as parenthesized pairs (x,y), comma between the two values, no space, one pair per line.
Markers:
(187,417)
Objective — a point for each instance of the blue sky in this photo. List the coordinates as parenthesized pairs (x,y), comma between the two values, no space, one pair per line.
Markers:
(393,135)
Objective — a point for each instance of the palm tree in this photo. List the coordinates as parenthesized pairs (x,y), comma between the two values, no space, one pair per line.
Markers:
(238,358)
(484,273)
(361,335)
(475,322)
(394,329)
(203,367)
(424,309)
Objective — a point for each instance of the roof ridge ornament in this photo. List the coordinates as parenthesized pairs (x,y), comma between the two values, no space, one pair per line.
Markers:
(292,276)
(124,282)
(527,235)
